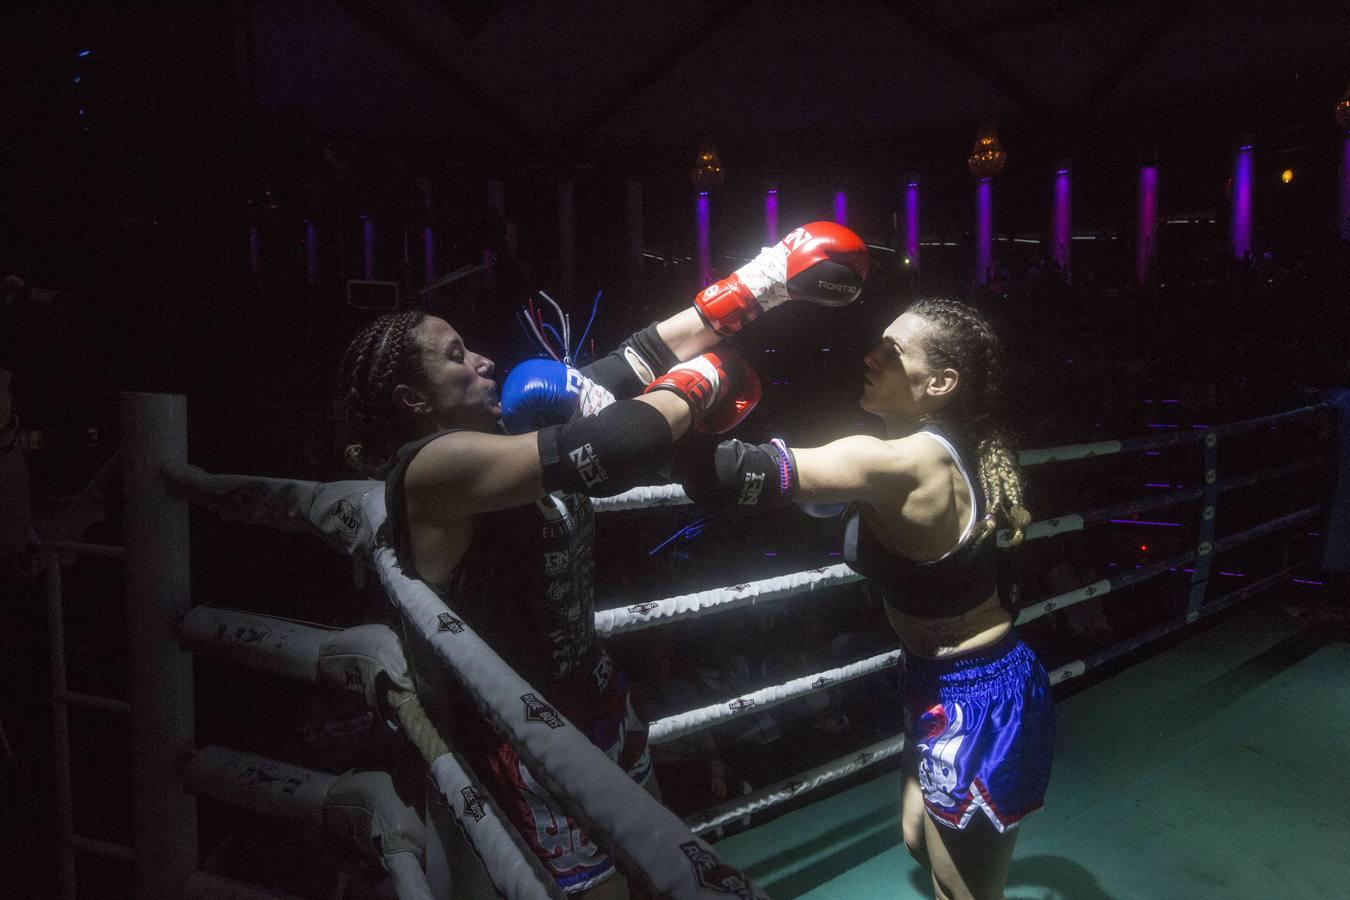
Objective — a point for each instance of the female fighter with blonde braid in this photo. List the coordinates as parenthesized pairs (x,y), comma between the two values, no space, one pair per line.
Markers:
(978,714)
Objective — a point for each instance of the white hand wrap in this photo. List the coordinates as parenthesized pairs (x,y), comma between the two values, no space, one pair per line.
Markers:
(766,276)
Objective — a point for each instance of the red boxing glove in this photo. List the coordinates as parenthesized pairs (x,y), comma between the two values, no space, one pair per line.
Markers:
(821,262)
(720,388)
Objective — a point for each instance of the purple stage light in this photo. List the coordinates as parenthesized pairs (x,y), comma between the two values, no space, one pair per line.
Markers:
(841,207)
(771,217)
(367,247)
(311,252)
(429,253)
(703,216)
(1242,202)
(1146,236)
(912,223)
(984,229)
(1062,223)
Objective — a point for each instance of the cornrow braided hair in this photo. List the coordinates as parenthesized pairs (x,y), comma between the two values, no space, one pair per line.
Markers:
(961,338)
(377,360)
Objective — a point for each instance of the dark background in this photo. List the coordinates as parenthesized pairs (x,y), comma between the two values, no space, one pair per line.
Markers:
(140,144)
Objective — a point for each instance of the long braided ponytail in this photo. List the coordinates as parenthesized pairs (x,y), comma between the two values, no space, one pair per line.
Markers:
(377,360)
(960,338)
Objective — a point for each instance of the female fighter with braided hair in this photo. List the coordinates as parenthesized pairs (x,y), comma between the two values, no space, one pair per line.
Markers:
(495,516)
(923,505)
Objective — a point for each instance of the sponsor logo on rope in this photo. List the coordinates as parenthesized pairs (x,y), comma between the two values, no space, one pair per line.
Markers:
(821,682)
(793,787)
(537,710)
(348,518)
(714,875)
(447,622)
(737,588)
(641,609)
(247,634)
(473,804)
(352,676)
(862,759)
(740,703)
(603,672)
(257,776)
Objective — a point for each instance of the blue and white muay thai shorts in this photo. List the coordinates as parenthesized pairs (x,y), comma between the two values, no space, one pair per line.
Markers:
(982,726)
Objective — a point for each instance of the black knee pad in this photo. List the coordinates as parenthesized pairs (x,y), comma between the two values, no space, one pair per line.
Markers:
(626,444)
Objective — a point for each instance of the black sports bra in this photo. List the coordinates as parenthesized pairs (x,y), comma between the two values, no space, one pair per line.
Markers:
(949,586)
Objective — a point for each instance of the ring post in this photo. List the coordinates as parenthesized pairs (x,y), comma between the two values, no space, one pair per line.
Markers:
(154,433)
(1204,558)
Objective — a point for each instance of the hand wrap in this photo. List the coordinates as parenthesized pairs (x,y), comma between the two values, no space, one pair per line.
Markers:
(737,474)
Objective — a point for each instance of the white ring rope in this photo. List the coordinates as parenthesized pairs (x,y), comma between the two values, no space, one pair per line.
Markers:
(686,606)
(348,515)
(292,650)
(680,724)
(774,794)
(644,836)
(514,870)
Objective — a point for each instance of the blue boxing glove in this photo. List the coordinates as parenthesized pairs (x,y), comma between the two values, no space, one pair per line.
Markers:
(542,392)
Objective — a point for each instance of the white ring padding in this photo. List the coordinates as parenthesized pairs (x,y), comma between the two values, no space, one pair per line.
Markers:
(643,498)
(330,510)
(642,835)
(1070,451)
(408,877)
(286,648)
(775,794)
(1068,598)
(1045,528)
(689,606)
(255,782)
(680,724)
(259,642)
(512,867)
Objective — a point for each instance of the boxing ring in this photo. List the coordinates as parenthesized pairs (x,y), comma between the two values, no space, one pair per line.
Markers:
(650,844)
